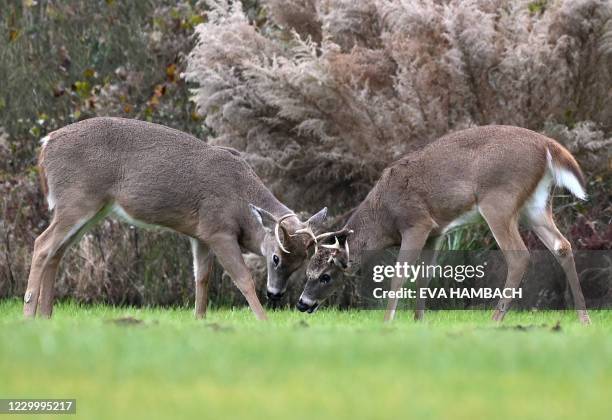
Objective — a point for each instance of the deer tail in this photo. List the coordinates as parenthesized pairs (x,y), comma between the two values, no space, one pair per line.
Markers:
(565,170)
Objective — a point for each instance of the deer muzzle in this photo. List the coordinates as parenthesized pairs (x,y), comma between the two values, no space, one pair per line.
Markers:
(306,305)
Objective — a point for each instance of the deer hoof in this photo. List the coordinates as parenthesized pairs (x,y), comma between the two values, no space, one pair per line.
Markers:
(498,315)
(419,315)
(584,318)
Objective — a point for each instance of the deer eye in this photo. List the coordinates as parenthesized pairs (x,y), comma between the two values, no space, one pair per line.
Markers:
(325,278)
(275,260)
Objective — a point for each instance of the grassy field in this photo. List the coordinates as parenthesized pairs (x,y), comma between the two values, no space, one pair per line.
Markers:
(162,363)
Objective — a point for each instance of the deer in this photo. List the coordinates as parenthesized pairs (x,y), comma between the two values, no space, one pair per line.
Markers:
(503,173)
(152,175)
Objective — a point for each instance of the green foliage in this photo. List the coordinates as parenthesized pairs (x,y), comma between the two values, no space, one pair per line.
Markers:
(538,6)
(470,237)
(66,61)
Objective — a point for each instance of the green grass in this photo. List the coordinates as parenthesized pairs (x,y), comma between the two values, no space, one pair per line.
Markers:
(328,365)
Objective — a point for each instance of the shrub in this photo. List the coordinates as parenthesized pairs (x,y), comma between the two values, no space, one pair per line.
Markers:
(324,94)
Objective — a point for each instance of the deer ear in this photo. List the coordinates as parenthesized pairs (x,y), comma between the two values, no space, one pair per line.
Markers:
(316,220)
(266,219)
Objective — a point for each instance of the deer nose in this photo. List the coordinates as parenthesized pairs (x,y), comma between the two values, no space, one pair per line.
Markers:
(302,306)
(274,296)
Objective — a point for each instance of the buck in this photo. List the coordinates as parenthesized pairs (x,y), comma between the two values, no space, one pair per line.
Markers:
(501,172)
(149,174)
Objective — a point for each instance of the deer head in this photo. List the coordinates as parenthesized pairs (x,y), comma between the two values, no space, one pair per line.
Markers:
(285,245)
(329,262)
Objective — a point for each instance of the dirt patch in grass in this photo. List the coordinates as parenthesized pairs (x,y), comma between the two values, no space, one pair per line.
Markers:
(218,327)
(127,320)
(302,324)
(521,327)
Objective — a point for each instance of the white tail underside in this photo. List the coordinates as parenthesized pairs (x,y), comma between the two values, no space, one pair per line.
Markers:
(564,178)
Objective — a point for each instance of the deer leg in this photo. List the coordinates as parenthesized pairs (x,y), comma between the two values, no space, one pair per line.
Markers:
(40,268)
(422,282)
(227,250)
(49,248)
(203,261)
(504,227)
(543,225)
(412,242)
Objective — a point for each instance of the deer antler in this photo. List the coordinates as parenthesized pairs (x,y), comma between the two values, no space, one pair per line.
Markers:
(348,254)
(277,235)
(308,231)
(277,231)
(336,245)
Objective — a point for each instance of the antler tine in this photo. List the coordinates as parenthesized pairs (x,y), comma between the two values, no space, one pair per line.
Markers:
(348,254)
(335,245)
(277,235)
(277,230)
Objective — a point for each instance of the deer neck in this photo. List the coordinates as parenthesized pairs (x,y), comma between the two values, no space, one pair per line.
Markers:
(372,231)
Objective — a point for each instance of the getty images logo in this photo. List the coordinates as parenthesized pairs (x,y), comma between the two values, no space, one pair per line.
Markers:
(411,272)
